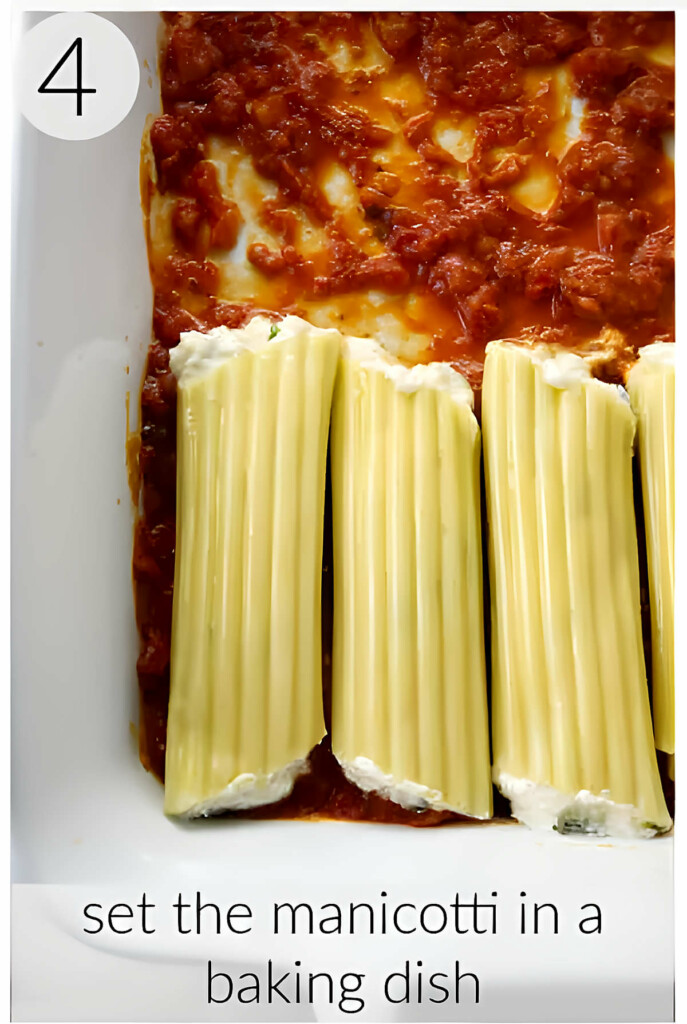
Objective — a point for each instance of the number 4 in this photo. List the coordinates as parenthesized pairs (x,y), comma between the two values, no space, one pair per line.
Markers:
(79,89)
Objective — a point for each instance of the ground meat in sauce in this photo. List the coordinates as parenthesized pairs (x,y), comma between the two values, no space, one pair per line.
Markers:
(601,257)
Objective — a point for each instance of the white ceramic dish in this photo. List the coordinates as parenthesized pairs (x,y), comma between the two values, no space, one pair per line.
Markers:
(84,810)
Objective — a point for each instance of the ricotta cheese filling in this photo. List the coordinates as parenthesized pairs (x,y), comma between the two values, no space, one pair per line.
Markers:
(199,353)
(583,813)
(563,369)
(248,790)
(408,379)
(660,352)
(369,777)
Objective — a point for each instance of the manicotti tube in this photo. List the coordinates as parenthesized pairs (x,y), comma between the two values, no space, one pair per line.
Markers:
(409,710)
(651,386)
(245,703)
(571,723)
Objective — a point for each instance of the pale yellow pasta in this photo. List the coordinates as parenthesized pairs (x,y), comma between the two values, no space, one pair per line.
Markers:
(651,385)
(245,701)
(409,713)
(571,722)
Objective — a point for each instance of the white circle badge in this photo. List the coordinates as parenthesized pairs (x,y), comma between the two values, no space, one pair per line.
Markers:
(77,76)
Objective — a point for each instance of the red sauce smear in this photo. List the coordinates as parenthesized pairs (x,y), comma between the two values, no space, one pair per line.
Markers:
(487,267)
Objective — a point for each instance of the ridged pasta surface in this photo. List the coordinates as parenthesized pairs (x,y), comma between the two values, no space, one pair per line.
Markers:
(651,385)
(409,690)
(570,704)
(246,650)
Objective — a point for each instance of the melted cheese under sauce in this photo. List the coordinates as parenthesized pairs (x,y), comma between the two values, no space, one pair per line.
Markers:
(400,322)
(389,93)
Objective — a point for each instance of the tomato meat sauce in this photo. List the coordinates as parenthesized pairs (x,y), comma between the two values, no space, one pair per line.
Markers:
(510,172)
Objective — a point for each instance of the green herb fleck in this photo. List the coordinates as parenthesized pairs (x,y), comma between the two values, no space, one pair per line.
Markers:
(274,331)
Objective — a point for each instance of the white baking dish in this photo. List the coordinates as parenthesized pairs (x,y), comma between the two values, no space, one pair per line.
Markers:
(84,810)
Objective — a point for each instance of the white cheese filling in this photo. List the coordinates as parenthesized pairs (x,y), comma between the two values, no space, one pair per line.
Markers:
(408,379)
(248,790)
(199,353)
(660,352)
(369,777)
(563,369)
(583,813)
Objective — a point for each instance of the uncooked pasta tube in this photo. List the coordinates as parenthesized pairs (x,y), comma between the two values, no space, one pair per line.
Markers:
(409,713)
(245,697)
(571,724)
(651,385)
